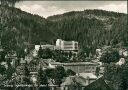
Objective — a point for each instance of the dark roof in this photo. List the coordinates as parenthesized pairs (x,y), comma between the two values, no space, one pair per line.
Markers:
(99,84)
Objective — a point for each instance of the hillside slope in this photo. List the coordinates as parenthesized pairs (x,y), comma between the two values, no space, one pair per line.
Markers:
(19,27)
(91,28)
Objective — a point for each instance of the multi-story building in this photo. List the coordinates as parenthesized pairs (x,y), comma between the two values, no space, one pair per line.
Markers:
(79,67)
(47,46)
(67,45)
(83,79)
(60,44)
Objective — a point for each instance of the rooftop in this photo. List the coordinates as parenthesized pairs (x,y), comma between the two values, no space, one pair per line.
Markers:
(75,63)
(74,80)
(88,75)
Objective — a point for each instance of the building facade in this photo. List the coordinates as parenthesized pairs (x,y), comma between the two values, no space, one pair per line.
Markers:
(47,46)
(60,45)
(79,67)
(66,45)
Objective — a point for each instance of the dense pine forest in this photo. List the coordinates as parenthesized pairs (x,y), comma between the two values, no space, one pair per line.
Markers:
(91,28)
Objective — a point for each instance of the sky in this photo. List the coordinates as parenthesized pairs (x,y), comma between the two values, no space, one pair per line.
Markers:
(49,8)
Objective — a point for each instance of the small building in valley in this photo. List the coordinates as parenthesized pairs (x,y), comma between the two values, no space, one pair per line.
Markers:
(47,46)
(78,82)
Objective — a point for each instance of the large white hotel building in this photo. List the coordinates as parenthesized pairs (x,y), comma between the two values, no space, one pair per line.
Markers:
(60,45)
(66,45)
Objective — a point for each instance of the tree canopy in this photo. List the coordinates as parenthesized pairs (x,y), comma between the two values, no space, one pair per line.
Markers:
(9,2)
(110,55)
(56,75)
(2,69)
(69,72)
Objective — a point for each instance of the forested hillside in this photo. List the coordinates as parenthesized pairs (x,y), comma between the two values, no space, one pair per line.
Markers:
(91,28)
(19,28)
